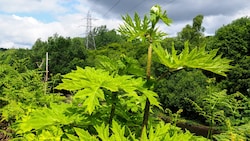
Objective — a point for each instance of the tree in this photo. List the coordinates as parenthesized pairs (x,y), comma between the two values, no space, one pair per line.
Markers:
(103,36)
(193,33)
(175,88)
(233,41)
(64,53)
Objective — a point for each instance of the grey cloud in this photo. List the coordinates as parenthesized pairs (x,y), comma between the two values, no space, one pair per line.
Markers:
(186,10)
(178,10)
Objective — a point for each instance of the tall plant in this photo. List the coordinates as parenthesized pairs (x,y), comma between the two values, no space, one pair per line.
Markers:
(146,31)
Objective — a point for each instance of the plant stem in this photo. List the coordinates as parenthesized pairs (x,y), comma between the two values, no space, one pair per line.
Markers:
(147,106)
(112,111)
(149,61)
(210,131)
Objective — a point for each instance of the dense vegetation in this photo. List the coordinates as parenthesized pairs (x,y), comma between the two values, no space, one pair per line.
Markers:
(137,85)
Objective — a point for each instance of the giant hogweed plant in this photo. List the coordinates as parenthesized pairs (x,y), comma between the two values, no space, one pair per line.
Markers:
(97,90)
(146,30)
(56,121)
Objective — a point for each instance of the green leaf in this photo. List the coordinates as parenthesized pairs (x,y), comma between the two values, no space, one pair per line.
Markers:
(92,100)
(52,133)
(84,135)
(103,132)
(152,97)
(136,29)
(72,137)
(167,132)
(45,117)
(144,135)
(118,132)
(196,58)
(90,84)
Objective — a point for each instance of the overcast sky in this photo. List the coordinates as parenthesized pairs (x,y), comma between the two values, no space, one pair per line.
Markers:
(22,22)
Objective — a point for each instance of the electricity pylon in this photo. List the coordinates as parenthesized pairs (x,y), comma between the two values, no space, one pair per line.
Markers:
(90,40)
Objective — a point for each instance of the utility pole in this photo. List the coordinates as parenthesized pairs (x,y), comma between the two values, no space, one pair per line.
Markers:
(90,40)
(46,73)
(47,67)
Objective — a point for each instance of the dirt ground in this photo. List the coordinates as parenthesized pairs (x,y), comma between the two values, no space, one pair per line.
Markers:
(3,129)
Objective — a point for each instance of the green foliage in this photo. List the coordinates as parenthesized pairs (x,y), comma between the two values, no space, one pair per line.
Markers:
(239,77)
(17,58)
(233,41)
(103,36)
(118,133)
(57,115)
(52,133)
(121,66)
(146,31)
(141,29)
(83,135)
(217,106)
(167,132)
(161,132)
(183,84)
(196,58)
(193,33)
(174,117)
(64,53)
(21,92)
(234,133)
(108,88)
(90,84)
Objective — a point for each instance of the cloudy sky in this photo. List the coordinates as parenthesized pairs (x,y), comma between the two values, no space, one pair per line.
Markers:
(22,22)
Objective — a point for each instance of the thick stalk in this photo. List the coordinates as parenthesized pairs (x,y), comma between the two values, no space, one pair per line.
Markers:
(149,61)
(147,106)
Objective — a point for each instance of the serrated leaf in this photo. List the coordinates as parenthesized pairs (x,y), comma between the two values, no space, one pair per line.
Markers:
(144,135)
(196,58)
(92,98)
(136,29)
(84,135)
(103,132)
(72,137)
(91,83)
(152,97)
(44,117)
(118,132)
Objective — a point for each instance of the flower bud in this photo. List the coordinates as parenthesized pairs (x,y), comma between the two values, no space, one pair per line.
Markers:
(156,10)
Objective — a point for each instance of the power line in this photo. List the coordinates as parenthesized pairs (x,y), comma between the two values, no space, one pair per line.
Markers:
(91,7)
(112,7)
(167,3)
(137,5)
